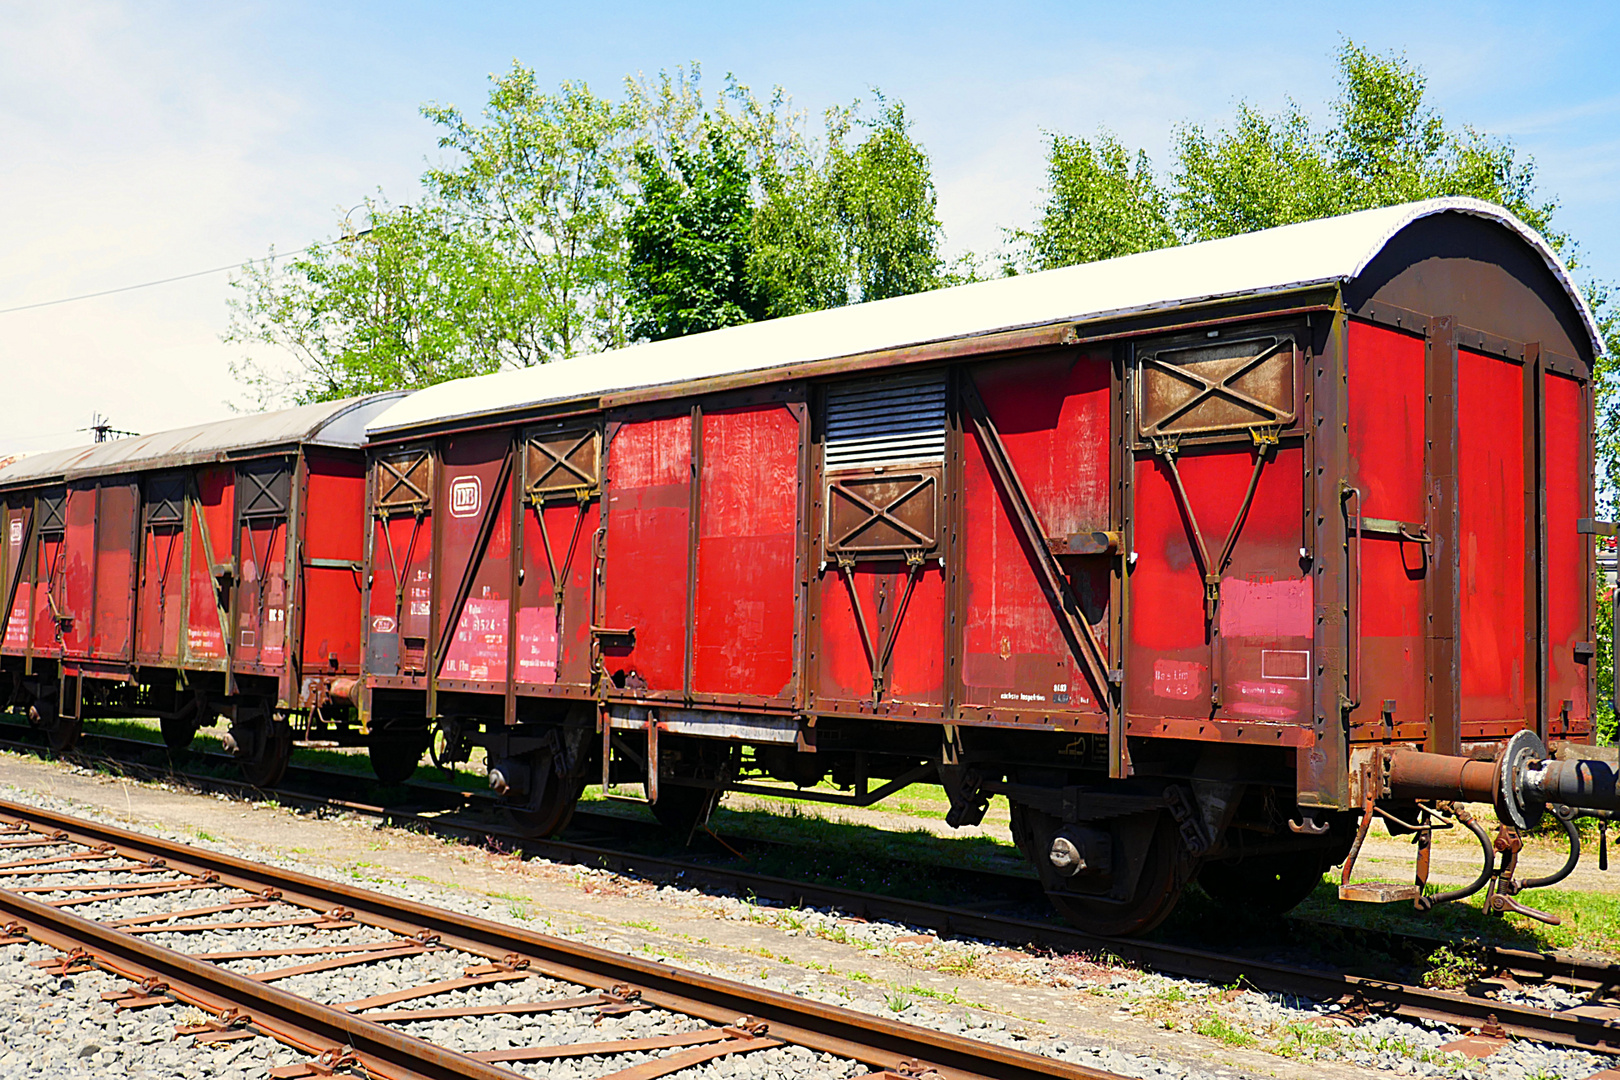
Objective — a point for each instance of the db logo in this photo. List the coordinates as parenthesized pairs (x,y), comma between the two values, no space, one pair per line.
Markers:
(466,496)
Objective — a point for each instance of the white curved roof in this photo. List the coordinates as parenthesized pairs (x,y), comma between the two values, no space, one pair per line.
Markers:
(325,423)
(1254,264)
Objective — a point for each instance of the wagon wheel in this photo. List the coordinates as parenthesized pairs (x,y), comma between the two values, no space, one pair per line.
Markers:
(1264,884)
(395,754)
(549,805)
(1151,901)
(266,764)
(61,733)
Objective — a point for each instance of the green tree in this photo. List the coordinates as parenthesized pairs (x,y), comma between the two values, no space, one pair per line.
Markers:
(1099,204)
(1385,146)
(689,238)
(856,222)
(409,302)
(540,181)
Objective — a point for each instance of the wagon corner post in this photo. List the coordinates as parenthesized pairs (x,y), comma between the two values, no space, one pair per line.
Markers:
(1323,765)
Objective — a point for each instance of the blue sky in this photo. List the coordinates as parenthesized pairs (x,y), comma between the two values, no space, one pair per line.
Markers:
(149,140)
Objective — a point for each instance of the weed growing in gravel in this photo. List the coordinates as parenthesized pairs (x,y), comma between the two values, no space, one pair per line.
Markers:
(1453,969)
(959,963)
(1219,1028)
(1307,1040)
(898,1001)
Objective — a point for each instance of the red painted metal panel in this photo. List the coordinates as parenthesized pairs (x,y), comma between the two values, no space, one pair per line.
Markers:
(1267,605)
(16,519)
(117,533)
(261,614)
(917,666)
(845,672)
(158,622)
(1567,618)
(649,469)
(47,640)
(401,590)
(469,491)
(78,574)
(742,638)
(212,516)
(1386,414)
(1053,416)
(553,646)
(1490,411)
(334,528)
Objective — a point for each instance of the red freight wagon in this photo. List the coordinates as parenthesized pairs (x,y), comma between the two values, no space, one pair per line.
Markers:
(212,570)
(1201,558)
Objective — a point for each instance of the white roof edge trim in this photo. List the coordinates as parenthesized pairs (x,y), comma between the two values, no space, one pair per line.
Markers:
(1502,216)
(1264,263)
(353,405)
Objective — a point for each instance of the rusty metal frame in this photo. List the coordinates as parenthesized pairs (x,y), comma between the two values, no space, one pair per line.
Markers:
(1070,616)
(1535,542)
(1588,543)
(14,573)
(1321,769)
(535,489)
(517,494)
(292,568)
(1122,519)
(452,614)
(951,523)
(804,541)
(926,484)
(1443,580)
(694,513)
(384,463)
(1208,388)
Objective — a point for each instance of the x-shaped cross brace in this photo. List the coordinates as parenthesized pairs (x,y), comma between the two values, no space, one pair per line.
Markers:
(1222,387)
(878,513)
(561,461)
(263,482)
(399,476)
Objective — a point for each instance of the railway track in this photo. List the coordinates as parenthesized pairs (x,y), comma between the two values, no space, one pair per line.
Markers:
(87,890)
(1593,1025)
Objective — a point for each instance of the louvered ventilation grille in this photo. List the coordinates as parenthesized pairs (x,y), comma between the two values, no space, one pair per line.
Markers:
(884,422)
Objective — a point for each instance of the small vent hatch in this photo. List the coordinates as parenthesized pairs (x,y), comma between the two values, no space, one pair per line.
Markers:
(880,422)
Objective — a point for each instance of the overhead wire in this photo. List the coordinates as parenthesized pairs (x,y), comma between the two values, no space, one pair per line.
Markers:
(161,281)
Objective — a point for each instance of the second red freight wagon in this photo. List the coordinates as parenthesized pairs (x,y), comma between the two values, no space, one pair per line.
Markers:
(202,573)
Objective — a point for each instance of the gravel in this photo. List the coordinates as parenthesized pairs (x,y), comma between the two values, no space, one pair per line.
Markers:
(1239,1018)
(60,1029)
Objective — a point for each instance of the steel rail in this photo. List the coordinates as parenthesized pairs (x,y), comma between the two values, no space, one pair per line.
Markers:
(873,1041)
(288,1018)
(1400,999)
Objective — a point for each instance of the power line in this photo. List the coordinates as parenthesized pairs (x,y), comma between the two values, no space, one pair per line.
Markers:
(161,281)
